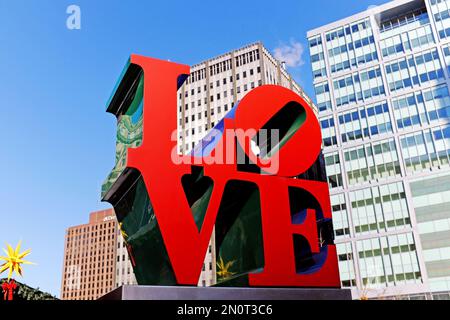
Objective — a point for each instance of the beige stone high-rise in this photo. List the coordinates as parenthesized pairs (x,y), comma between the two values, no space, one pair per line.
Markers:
(94,261)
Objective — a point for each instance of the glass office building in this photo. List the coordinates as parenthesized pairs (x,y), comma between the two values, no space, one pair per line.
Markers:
(381,80)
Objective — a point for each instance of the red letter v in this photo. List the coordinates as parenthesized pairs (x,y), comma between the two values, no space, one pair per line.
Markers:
(185,245)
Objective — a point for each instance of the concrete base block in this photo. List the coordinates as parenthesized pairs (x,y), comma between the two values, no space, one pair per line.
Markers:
(137,292)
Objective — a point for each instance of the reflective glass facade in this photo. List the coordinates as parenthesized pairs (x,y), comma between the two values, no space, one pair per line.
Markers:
(382,79)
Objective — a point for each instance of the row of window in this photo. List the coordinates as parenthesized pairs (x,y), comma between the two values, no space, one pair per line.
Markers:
(378,209)
(82,231)
(85,276)
(224,82)
(415,109)
(384,261)
(422,107)
(351,46)
(375,161)
(367,121)
(426,149)
(347,30)
(199,117)
(224,66)
(362,52)
(421,151)
(409,40)
(414,70)
(359,86)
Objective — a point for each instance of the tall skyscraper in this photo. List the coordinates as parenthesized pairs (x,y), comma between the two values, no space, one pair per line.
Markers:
(381,80)
(212,89)
(94,261)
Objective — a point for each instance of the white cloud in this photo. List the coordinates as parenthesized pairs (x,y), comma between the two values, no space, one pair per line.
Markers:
(291,54)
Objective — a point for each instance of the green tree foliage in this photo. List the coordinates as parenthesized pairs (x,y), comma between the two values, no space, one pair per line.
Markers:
(24,292)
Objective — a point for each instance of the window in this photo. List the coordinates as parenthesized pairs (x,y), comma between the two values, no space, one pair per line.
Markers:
(333,170)
(328,132)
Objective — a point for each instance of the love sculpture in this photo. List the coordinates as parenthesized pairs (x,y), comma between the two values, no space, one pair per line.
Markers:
(271,216)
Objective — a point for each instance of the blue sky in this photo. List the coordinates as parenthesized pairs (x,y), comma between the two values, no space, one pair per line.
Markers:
(58,142)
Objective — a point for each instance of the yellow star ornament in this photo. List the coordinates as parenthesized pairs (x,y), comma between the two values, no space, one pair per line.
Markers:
(14,260)
(224,268)
(124,234)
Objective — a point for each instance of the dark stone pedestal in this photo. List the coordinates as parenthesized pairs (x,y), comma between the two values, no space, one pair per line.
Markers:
(221,293)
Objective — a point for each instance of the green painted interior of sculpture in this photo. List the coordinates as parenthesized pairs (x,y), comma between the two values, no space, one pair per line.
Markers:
(287,121)
(239,232)
(198,190)
(143,237)
(119,81)
(129,131)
